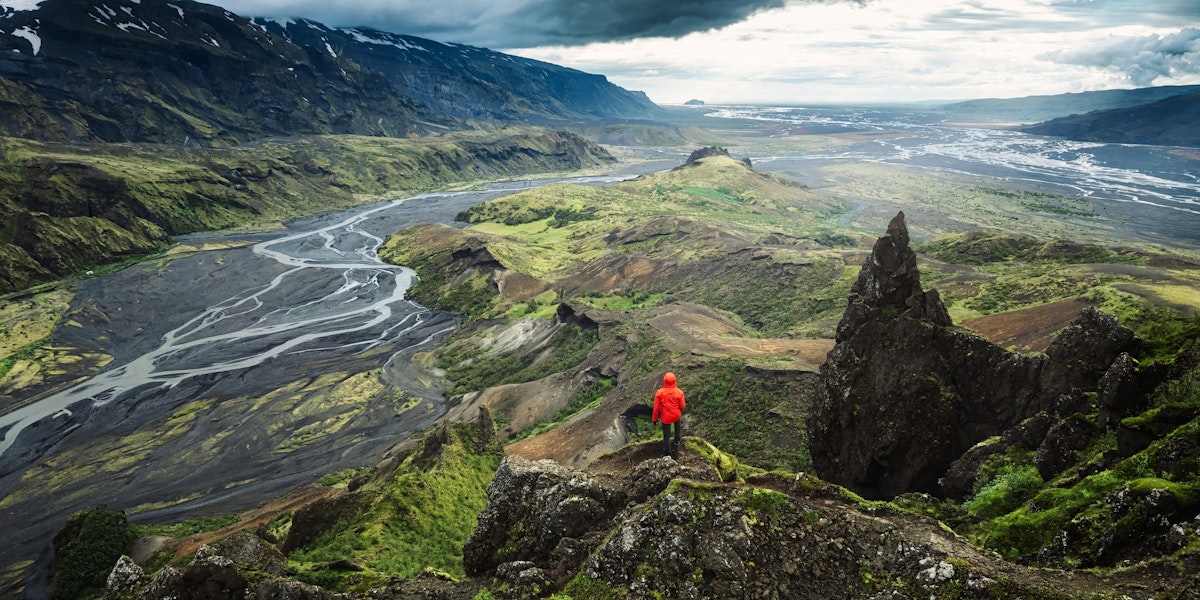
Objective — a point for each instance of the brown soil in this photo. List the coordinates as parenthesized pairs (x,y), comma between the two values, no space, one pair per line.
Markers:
(704,331)
(252,519)
(1027,329)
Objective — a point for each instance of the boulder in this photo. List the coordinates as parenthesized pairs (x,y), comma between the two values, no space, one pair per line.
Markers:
(1118,392)
(1057,451)
(532,508)
(1082,352)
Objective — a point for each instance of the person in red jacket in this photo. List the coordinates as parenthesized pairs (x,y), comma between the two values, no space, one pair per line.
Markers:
(668,407)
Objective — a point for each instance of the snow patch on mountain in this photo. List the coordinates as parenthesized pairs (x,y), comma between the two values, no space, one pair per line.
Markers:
(386,41)
(12,6)
(31,35)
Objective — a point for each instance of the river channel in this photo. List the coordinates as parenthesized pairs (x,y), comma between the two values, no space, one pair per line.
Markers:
(213,353)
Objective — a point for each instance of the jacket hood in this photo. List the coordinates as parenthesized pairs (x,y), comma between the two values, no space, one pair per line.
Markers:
(669,380)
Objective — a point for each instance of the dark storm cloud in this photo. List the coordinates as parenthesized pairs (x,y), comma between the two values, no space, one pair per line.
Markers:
(523,23)
(1143,60)
(573,22)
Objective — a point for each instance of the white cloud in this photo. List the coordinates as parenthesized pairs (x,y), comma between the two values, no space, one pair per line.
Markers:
(809,50)
(882,51)
(1145,60)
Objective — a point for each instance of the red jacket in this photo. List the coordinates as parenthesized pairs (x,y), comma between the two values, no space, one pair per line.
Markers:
(668,401)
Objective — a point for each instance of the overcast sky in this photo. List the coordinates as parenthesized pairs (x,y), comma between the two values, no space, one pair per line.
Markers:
(724,51)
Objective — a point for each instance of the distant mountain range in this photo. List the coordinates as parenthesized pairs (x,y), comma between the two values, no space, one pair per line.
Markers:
(1174,121)
(1034,109)
(192,73)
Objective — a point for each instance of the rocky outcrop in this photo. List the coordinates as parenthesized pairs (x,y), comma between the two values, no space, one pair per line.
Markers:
(661,528)
(905,394)
(545,516)
(959,480)
(1057,451)
(889,285)
(706,152)
(239,566)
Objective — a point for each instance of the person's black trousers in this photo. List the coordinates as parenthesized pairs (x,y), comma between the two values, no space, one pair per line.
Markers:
(678,435)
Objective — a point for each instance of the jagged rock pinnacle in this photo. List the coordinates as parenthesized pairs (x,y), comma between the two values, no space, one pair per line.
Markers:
(904,394)
(889,280)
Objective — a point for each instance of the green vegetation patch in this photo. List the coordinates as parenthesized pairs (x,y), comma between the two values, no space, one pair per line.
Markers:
(421,519)
(342,478)
(1032,286)
(1164,332)
(1008,489)
(566,348)
(585,399)
(732,408)
(763,502)
(1100,514)
(184,528)
(85,552)
(583,587)
(624,300)
(724,194)
(979,247)
(777,300)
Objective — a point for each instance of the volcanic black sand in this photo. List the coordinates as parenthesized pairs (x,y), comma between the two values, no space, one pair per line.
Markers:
(229,421)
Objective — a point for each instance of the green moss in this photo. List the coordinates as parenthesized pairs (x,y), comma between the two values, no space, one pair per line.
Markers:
(421,519)
(85,552)
(726,405)
(1004,491)
(342,477)
(184,528)
(582,587)
(1033,526)
(726,465)
(762,501)
(567,348)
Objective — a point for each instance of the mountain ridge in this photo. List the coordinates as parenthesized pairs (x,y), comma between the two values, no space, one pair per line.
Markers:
(195,74)
(1033,109)
(1168,122)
